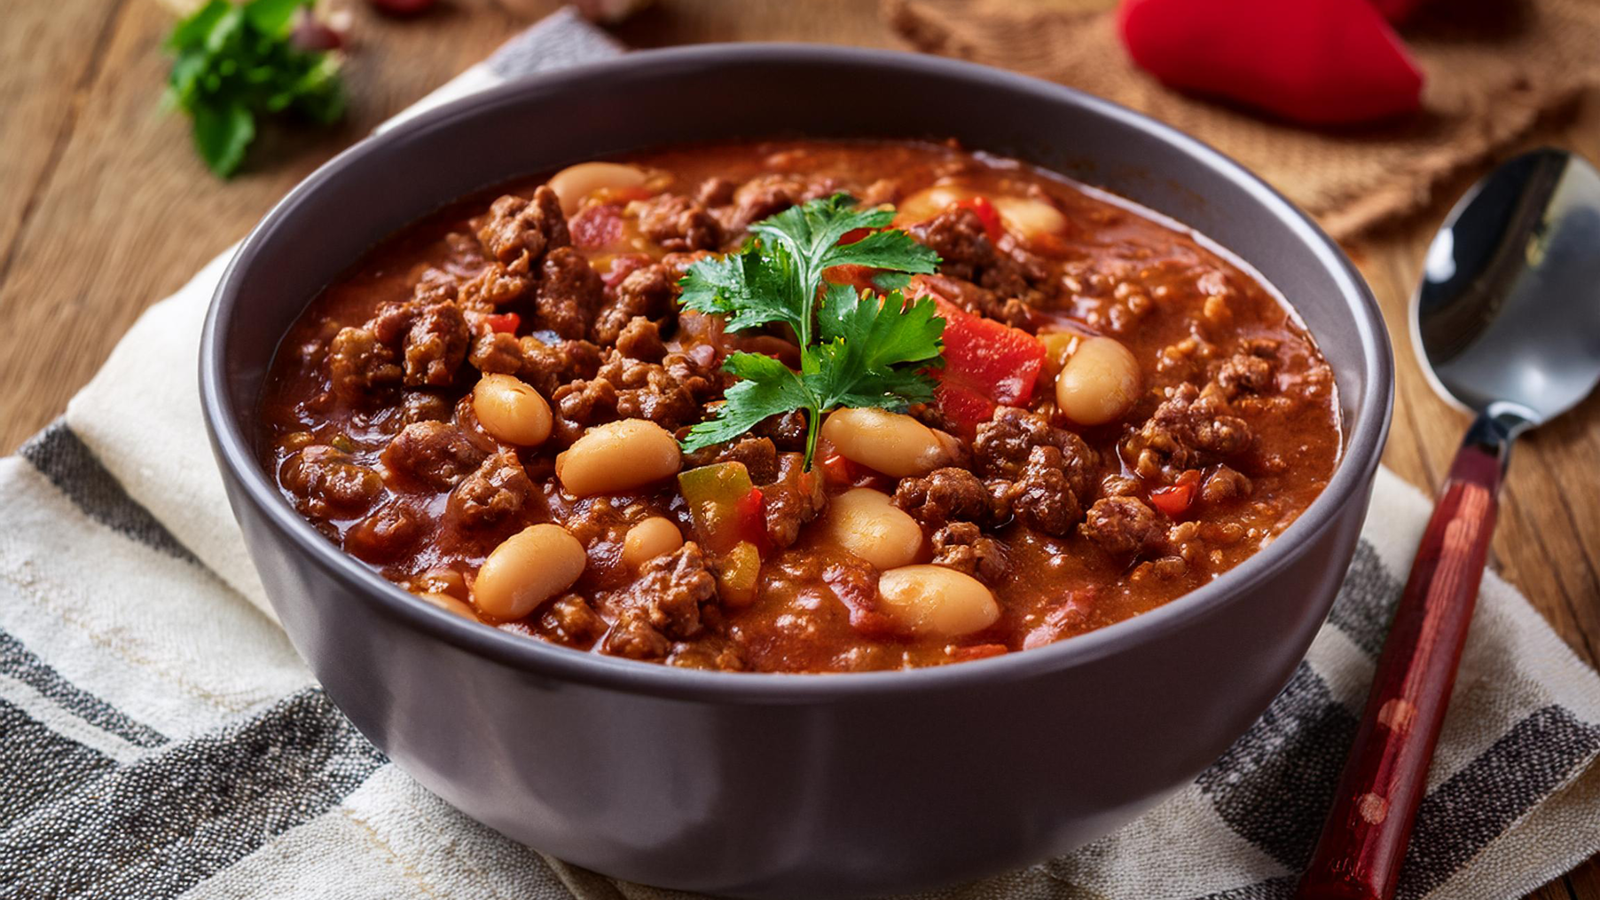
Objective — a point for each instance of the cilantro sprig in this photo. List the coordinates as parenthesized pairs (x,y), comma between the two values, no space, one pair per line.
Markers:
(238,61)
(856,349)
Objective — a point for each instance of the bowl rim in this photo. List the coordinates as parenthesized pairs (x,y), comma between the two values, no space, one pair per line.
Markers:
(1356,467)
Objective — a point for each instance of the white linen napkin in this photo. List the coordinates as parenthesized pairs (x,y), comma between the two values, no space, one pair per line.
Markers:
(160,737)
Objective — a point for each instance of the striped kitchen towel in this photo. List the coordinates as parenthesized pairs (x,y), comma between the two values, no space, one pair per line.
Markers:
(159,737)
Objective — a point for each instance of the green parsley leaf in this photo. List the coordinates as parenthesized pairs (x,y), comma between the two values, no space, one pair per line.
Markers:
(766,387)
(234,63)
(875,349)
(856,349)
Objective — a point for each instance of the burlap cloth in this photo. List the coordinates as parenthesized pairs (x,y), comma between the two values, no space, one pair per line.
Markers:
(1493,68)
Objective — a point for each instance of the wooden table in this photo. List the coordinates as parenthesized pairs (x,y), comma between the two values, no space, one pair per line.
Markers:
(106,209)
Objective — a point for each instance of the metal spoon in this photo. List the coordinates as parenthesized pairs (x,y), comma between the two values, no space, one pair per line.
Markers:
(1507,325)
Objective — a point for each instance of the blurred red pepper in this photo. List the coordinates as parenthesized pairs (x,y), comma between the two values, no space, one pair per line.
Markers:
(1320,62)
(503,322)
(1174,500)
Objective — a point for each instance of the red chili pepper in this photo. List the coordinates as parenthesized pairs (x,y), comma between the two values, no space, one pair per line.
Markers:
(987,363)
(987,214)
(1173,500)
(505,323)
(1321,62)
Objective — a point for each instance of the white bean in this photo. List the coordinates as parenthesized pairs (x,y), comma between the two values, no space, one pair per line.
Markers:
(929,202)
(617,457)
(574,183)
(527,569)
(864,522)
(1098,383)
(1030,217)
(892,443)
(649,539)
(448,604)
(511,410)
(936,600)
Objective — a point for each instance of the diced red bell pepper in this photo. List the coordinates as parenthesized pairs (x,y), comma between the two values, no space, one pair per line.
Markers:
(986,363)
(506,323)
(853,235)
(987,214)
(597,226)
(1173,500)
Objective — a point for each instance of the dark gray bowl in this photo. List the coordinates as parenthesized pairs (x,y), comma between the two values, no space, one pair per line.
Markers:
(772,785)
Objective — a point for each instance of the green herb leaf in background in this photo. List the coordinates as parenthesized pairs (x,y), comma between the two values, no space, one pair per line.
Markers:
(237,62)
(858,349)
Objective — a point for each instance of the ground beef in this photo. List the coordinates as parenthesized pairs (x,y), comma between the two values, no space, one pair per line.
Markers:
(982,301)
(434,453)
(633,637)
(1244,373)
(389,533)
(945,495)
(517,226)
(793,498)
(1224,484)
(787,431)
(434,285)
(959,237)
(497,353)
(422,406)
(1042,498)
(646,291)
(1123,526)
(647,390)
(571,622)
(570,292)
(390,323)
(670,590)
(1191,428)
(759,456)
(548,366)
(496,285)
(718,656)
(641,339)
(580,404)
(435,344)
(1002,446)
(678,223)
(328,482)
(767,195)
(715,191)
(964,547)
(359,365)
(494,495)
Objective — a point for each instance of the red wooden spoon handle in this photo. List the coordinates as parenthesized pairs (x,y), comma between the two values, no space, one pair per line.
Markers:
(1365,837)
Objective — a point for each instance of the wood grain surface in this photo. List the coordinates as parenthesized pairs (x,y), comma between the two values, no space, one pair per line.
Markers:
(105,208)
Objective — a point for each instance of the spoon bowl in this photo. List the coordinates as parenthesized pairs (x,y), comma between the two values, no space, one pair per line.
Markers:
(1507,317)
